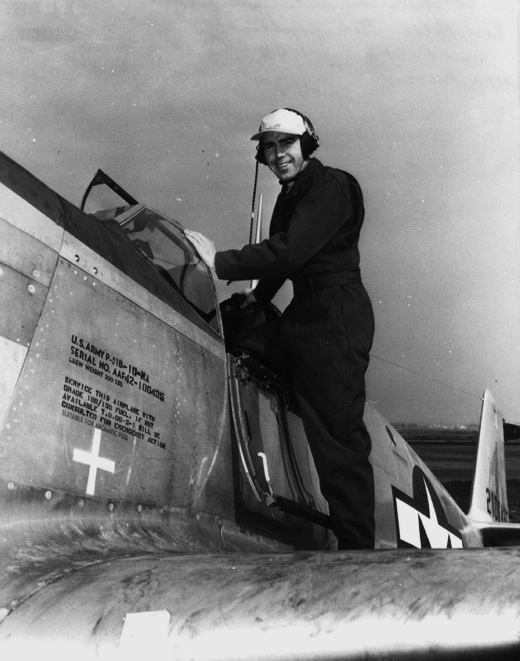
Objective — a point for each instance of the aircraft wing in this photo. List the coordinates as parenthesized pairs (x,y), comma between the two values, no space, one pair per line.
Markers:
(345,605)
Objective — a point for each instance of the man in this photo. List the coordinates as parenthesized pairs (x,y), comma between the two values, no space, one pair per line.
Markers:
(326,331)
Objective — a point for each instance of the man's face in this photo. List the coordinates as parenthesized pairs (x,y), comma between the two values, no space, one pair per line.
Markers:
(283,154)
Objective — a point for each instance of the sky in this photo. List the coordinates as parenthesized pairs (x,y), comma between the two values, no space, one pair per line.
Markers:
(418,99)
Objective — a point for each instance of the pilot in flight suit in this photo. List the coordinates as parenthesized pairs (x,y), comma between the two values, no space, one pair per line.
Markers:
(326,331)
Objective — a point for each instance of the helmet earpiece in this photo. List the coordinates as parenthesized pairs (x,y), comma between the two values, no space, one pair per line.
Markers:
(309,141)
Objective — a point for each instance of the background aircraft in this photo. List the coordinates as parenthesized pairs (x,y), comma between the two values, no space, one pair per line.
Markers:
(157,492)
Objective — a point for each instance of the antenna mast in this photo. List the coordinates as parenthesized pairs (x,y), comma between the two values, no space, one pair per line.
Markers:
(258,232)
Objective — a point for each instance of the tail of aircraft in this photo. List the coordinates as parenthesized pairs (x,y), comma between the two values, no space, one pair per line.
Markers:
(488,511)
(489,493)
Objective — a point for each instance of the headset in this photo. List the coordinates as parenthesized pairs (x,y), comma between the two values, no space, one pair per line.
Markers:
(309,141)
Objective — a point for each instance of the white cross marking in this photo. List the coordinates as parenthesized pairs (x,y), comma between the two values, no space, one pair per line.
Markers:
(94,461)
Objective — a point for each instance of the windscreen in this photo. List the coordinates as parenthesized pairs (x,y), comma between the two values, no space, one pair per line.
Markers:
(161,241)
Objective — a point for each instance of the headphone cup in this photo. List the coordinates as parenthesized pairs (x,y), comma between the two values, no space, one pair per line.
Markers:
(309,144)
(260,156)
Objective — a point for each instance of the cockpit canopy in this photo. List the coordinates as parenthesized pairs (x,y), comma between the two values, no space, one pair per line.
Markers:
(162,243)
(185,281)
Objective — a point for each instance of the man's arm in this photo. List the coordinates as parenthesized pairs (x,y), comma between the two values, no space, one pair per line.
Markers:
(315,221)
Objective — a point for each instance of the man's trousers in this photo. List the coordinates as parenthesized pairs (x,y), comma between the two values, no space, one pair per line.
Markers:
(324,338)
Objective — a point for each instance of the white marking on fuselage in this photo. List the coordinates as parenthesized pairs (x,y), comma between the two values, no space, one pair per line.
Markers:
(409,528)
(94,461)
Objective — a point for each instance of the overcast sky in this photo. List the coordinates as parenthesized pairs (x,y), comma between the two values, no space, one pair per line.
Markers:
(418,99)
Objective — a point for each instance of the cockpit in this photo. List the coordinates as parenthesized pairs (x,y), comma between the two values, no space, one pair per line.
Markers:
(162,244)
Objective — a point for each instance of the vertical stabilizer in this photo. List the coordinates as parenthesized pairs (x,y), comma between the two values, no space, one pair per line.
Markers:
(489,493)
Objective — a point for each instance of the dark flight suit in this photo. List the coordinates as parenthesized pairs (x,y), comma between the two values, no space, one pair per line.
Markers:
(326,331)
